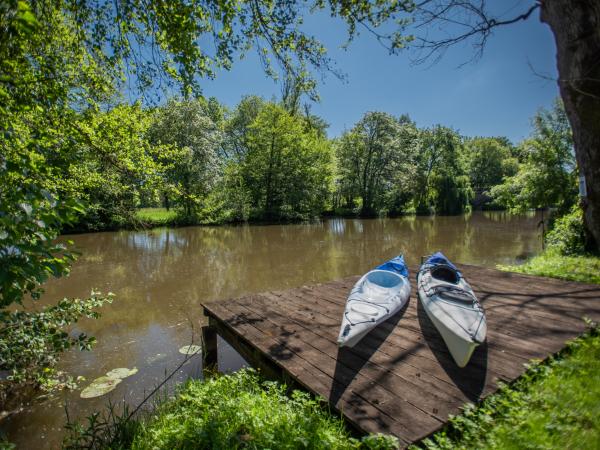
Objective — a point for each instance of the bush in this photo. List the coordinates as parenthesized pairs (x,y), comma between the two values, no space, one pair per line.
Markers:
(240,410)
(567,235)
(31,342)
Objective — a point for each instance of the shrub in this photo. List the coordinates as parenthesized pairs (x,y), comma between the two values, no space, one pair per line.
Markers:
(567,235)
(30,342)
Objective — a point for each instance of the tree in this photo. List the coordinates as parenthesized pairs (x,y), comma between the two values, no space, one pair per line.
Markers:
(548,171)
(237,125)
(194,129)
(576,29)
(40,68)
(442,184)
(489,161)
(368,157)
(401,192)
(116,165)
(286,170)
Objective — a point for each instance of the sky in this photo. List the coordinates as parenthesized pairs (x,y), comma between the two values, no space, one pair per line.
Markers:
(496,95)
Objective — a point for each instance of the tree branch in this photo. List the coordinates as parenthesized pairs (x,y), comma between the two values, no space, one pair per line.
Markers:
(470,20)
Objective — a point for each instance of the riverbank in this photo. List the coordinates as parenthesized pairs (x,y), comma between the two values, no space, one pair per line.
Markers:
(582,268)
(161,217)
(149,218)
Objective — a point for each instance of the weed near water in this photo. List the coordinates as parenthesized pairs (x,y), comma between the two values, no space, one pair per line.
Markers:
(239,411)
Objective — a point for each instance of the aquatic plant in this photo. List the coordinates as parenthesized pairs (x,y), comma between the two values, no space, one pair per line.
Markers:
(104,384)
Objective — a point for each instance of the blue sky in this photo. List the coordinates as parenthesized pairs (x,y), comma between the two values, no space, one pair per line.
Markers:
(496,95)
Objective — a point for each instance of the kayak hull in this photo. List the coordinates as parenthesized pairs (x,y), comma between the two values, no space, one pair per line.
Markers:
(377,296)
(454,310)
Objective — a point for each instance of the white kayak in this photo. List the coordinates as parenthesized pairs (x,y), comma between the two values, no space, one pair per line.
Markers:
(378,295)
(452,307)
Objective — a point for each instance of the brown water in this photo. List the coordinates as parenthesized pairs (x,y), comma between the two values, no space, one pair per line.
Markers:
(161,277)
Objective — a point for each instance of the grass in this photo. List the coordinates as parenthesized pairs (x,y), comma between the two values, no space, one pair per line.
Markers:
(157,216)
(232,411)
(554,405)
(552,264)
(241,411)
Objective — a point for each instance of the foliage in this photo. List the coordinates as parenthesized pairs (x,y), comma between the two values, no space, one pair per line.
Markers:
(42,69)
(490,160)
(30,217)
(193,128)
(547,174)
(442,184)
(233,411)
(581,268)
(110,429)
(371,156)
(566,235)
(238,124)
(116,165)
(159,43)
(553,405)
(31,341)
(286,170)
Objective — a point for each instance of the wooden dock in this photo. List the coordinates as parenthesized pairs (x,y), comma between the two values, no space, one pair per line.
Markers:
(400,379)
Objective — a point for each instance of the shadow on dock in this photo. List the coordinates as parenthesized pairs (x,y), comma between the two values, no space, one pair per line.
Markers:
(471,378)
(350,361)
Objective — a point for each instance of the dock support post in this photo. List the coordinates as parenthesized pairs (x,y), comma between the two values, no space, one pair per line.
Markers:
(210,362)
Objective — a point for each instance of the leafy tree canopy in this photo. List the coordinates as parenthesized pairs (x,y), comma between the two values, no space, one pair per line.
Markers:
(547,174)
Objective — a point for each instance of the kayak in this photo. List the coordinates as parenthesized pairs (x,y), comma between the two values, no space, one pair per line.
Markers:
(452,307)
(378,295)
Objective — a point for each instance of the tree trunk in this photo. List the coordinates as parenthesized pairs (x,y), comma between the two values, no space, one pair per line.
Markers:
(576,29)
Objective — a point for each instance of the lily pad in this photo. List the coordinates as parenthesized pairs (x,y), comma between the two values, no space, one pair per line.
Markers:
(100,386)
(121,372)
(105,384)
(190,349)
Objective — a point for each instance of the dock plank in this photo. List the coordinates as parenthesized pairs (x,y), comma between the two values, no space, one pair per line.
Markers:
(400,378)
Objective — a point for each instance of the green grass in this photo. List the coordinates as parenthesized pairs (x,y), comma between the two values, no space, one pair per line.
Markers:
(552,264)
(554,405)
(241,411)
(157,216)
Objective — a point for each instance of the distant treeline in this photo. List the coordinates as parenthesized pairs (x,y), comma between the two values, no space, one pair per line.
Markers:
(272,161)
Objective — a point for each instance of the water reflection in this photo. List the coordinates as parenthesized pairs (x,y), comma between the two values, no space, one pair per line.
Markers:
(160,278)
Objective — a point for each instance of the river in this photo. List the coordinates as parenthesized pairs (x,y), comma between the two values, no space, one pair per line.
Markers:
(160,277)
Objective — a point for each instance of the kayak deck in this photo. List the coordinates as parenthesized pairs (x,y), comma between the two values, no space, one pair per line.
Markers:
(400,378)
